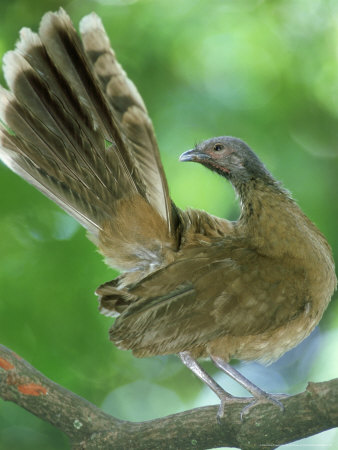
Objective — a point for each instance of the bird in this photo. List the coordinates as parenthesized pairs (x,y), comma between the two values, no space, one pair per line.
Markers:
(192,284)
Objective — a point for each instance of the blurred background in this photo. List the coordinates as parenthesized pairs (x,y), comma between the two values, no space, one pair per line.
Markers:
(264,71)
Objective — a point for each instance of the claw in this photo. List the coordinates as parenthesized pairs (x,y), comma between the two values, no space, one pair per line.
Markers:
(228,400)
(259,396)
(251,402)
(267,398)
(220,412)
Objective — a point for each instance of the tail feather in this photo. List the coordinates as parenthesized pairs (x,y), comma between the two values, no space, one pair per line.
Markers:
(59,118)
(74,126)
(65,49)
(130,113)
(57,155)
(82,204)
(61,92)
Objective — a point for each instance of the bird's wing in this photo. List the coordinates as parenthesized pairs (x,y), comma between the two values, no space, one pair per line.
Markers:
(204,297)
(65,131)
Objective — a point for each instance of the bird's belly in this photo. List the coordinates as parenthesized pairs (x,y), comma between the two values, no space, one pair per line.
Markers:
(264,347)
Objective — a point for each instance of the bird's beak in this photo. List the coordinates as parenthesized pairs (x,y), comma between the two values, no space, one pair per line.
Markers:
(194,155)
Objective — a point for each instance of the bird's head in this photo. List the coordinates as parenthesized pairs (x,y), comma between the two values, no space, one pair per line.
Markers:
(230,157)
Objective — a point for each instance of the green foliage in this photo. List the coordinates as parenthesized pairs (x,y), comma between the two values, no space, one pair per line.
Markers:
(263,71)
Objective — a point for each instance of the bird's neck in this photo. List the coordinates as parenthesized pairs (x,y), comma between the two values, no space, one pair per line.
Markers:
(259,197)
(266,209)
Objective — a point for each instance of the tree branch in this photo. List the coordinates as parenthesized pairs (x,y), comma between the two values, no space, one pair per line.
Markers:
(88,427)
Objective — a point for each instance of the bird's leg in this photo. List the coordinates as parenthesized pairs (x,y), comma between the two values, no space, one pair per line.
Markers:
(193,365)
(260,396)
(224,396)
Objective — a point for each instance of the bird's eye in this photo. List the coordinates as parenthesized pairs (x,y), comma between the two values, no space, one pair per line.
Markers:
(218,147)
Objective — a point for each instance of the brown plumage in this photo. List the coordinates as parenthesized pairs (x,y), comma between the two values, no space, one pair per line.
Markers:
(193,284)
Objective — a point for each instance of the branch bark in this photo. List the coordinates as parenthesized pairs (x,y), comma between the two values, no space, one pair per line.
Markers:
(88,427)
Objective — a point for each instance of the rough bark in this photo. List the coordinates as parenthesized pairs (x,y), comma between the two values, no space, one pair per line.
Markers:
(305,414)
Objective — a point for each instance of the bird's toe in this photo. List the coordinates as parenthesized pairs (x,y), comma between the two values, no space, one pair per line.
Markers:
(267,398)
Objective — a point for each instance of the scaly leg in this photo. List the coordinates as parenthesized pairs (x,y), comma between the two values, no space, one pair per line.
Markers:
(260,396)
(224,396)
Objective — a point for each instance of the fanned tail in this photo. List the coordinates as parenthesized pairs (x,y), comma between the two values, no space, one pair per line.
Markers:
(75,127)
(130,112)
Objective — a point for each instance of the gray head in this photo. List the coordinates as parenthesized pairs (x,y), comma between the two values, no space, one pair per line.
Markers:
(231,158)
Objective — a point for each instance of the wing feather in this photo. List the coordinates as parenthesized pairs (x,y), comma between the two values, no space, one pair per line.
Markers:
(196,299)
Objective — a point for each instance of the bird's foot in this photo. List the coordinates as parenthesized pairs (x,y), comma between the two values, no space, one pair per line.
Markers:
(274,399)
(228,400)
(251,402)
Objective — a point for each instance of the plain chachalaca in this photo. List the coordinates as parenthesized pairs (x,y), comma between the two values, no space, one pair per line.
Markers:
(75,127)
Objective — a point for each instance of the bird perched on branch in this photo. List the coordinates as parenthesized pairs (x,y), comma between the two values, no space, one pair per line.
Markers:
(75,127)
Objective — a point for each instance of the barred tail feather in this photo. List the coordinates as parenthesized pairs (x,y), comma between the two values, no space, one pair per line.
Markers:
(59,120)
